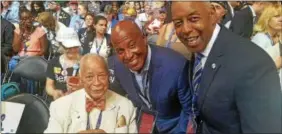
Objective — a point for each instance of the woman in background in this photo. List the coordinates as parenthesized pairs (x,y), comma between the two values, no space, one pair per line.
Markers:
(37,7)
(29,40)
(86,35)
(269,33)
(101,43)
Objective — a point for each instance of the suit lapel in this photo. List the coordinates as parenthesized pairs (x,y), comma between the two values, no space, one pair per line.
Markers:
(126,79)
(155,75)
(78,112)
(212,66)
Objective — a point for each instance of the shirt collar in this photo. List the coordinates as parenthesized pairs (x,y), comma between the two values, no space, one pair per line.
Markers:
(253,11)
(147,62)
(215,33)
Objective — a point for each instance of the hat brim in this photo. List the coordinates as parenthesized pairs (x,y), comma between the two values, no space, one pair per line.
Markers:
(71,43)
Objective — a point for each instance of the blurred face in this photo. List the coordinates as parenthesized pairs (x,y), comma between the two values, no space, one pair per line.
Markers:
(36,7)
(131,4)
(52,6)
(89,21)
(5,4)
(147,9)
(109,16)
(219,10)
(101,26)
(137,6)
(81,11)
(72,53)
(162,16)
(26,19)
(95,79)
(132,51)
(74,7)
(275,23)
(193,24)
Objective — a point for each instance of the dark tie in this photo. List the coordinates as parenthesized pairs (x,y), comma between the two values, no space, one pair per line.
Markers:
(197,74)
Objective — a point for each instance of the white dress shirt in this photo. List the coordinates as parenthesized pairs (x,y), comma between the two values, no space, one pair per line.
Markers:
(207,50)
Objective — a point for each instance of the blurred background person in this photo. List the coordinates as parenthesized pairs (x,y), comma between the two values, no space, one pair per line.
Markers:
(94,7)
(269,32)
(56,8)
(86,35)
(101,43)
(220,10)
(144,17)
(230,6)
(67,64)
(131,14)
(78,21)
(245,19)
(137,7)
(51,27)
(109,14)
(37,7)
(152,27)
(29,40)
(167,38)
(7,36)
(10,12)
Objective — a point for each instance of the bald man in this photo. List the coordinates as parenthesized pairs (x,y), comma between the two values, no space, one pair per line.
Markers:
(153,77)
(93,109)
(235,83)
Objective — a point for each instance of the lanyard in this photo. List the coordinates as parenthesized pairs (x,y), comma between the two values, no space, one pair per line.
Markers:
(98,124)
(98,47)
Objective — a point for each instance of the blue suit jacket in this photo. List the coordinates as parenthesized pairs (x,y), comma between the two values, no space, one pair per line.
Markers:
(169,92)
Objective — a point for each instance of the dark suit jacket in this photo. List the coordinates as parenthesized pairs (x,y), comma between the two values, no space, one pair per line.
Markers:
(242,23)
(241,93)
(7,36)
(168,73)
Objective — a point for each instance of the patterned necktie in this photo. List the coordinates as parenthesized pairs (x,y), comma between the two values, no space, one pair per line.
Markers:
(197,73)
(90,104)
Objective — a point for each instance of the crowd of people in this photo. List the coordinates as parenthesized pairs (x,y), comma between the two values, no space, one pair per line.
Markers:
(194,67)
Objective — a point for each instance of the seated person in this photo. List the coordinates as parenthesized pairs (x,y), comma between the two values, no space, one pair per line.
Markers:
(95,108)
(64,66)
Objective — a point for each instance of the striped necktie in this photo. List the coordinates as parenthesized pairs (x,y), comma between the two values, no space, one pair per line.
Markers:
(197,74)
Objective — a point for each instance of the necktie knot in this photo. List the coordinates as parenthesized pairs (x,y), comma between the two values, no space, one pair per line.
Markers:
(90,104)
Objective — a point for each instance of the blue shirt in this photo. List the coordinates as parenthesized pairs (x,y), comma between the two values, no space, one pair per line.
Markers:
(76,22)
(12,13)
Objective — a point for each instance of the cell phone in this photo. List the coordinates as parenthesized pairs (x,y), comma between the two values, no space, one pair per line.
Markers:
(73,80)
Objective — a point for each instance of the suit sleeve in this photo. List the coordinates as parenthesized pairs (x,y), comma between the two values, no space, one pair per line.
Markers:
(114,82)
(258,98)
(185,97)
(238,24)
(56,121)
(8,38)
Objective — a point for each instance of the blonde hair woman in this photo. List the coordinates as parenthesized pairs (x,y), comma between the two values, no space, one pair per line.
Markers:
(269,32)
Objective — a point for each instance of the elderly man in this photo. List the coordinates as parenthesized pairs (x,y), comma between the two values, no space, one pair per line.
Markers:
(236,85)
(94,109)
(154,78)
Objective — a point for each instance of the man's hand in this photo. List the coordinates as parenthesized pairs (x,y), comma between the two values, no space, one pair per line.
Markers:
(57,94)
(92,131)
